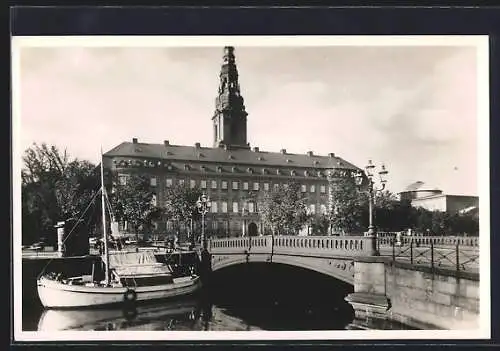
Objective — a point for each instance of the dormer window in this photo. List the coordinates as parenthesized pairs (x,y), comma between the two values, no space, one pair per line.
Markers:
(288,160)
(260,158)
(187,167)
(293,173)
(234,169)
(320,174)
(306,173)
(230,157)
(264,171)
(249,170)
(203,168)
(219,169)
(278,172)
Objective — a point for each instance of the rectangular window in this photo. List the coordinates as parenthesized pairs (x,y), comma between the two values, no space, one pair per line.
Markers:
(303,188)
(152,181)
(313,208)
(255,186)
(322,189)
(169,182)
(214,184)
(122,179)
(245,185)
(224,206)
(313,189)
(251,207)
(203,184)
(192,183)
(181,182)
(266,186)
(214,206)
(235,185)
(276,187)
(224,185)
(235,207)
(153,200)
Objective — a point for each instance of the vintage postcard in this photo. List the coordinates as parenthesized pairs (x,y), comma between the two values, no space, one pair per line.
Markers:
(250,188)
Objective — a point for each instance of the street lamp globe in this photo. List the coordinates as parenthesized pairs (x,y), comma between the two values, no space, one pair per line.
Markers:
(369,168)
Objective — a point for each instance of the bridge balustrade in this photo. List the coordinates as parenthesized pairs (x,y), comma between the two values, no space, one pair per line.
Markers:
(294,245)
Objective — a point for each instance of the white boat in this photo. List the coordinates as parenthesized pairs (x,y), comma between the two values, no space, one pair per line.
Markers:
(128,277)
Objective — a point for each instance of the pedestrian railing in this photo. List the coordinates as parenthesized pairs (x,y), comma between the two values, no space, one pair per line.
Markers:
(458,257)
(386,240)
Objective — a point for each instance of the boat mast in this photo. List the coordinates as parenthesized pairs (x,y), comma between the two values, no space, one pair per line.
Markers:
(105,237)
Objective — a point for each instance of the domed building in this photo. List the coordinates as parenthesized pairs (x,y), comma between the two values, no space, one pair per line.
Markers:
(419,190)
(433,199)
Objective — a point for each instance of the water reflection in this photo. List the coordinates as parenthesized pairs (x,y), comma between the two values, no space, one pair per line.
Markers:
(160,316)
(181,315)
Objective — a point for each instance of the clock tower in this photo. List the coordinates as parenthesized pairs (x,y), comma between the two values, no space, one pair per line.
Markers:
(230,118)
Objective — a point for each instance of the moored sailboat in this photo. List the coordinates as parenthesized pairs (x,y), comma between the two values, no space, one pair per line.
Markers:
(128,277)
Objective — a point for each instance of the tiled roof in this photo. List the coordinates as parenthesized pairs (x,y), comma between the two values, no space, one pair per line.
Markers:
(230,156)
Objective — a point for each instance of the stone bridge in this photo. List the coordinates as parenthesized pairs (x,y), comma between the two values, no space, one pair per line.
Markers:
(424,297)
(333,256)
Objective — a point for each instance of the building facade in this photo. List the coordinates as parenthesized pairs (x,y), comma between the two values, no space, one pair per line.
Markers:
(233,174)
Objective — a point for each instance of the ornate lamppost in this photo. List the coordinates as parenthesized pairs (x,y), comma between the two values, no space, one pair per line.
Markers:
(203,205)
(372,190)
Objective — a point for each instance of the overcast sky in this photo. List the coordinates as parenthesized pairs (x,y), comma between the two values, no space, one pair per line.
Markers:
(413,108)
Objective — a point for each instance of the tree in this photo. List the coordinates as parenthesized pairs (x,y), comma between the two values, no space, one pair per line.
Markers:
(319,224)
(348,212)
(135,202)
(54,188)
(180,204)
(284,209)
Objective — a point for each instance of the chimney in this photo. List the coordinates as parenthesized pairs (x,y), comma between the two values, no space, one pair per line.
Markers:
(166,142)
(134,140)
(331,155)
(256,149)
(197,145)
(309,153)
(283,151)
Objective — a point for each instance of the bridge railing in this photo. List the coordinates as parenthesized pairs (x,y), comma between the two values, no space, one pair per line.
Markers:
(297,245)
(321,246)
(428,240)
(455,257)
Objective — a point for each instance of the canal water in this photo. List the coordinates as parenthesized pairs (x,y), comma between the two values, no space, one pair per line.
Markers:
(246,298)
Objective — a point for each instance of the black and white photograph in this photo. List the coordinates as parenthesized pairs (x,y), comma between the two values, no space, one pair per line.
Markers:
(239,188)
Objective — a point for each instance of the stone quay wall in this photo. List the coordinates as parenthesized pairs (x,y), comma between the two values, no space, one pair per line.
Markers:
(415,296)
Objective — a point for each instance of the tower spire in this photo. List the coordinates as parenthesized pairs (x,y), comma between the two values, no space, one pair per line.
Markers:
(230,118)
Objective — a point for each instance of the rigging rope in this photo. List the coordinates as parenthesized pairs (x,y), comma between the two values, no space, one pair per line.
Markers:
(71,231)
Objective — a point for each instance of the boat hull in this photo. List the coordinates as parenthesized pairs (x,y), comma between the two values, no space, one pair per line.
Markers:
(55,294)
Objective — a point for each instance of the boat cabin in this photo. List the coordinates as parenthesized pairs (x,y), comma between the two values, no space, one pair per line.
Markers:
(139,269)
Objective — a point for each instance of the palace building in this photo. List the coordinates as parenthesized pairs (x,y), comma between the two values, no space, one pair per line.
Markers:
(230,170)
